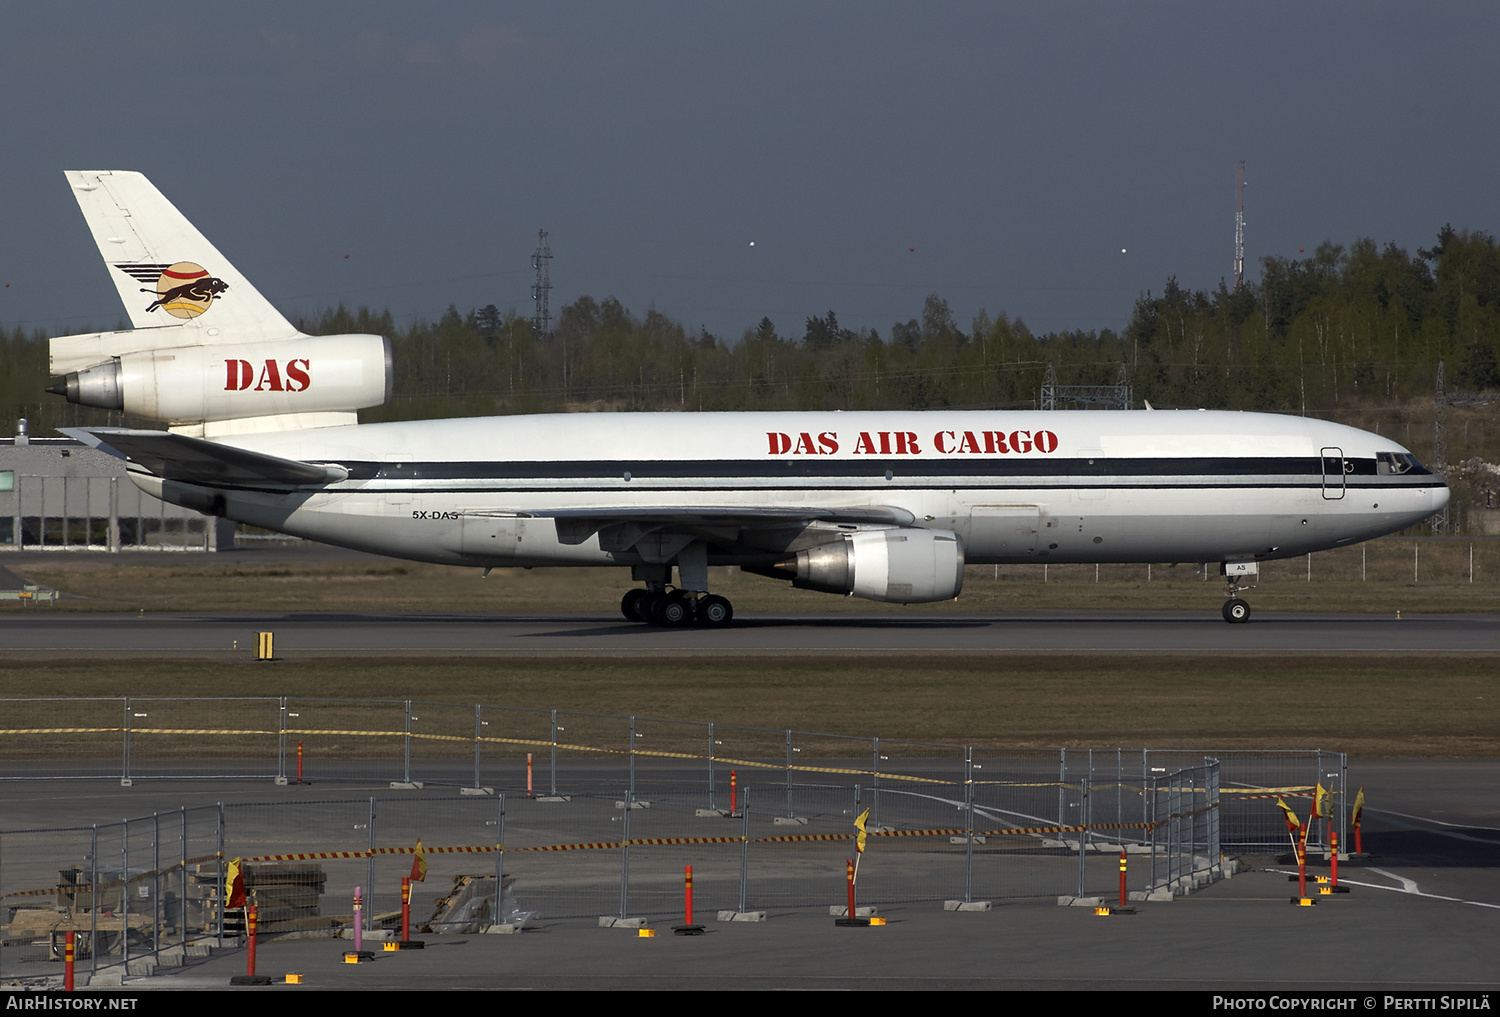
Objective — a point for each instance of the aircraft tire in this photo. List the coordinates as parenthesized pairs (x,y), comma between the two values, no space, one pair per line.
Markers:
(1236,611)
(632,603)
(650,608)
(714,612)
(674,612)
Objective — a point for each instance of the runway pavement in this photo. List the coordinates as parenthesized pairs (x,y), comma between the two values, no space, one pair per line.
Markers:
(39,632)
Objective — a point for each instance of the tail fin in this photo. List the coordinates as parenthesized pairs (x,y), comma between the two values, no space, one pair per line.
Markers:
(167,273)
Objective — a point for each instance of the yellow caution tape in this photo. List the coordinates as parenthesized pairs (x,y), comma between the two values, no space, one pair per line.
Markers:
(534,743)
(599,846)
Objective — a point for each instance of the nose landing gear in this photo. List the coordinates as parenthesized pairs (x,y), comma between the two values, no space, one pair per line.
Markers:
(1237,610)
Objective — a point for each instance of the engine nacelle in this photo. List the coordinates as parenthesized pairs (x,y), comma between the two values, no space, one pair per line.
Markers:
(902,566)
(232,381)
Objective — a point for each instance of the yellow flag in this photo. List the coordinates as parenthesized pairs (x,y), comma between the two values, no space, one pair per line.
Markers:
(859,824)
(1359,807)
(234,886)
(1293,824)
(419,865)
(1320,799)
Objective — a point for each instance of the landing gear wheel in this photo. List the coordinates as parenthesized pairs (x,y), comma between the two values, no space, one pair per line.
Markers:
(632,603)
(714,612)
(1236,611)
(674,611)
(651,607)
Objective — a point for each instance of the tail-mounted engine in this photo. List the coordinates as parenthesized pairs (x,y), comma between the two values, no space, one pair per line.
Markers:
(234,381)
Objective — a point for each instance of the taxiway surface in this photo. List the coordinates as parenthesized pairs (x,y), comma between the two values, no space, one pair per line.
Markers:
(72,634)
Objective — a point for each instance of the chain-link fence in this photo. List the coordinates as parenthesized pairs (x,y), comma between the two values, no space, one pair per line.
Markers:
(555,752)
(570,814)
(138,890)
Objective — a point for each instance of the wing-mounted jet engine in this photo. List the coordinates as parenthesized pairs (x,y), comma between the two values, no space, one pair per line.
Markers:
(901,566)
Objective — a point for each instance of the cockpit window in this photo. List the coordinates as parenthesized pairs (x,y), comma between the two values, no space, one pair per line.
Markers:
(1395,463)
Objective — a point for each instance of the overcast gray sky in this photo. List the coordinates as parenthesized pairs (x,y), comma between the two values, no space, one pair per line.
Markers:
(1000,155)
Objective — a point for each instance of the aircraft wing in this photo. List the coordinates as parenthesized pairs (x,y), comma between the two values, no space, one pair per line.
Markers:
(574,526)
(195,461)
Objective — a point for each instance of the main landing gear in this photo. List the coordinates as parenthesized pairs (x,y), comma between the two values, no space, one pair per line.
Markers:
(675,609)
(691,604)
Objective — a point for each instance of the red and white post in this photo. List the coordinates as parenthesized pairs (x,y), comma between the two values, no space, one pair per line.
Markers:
(405,908)
(849,879)
(251,918)
(687,928)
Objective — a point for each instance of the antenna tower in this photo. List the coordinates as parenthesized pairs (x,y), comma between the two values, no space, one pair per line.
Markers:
(1239,225)
(1440,442)
(541,322)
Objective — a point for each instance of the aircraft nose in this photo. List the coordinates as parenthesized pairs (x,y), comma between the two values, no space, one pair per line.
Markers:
(1439,498)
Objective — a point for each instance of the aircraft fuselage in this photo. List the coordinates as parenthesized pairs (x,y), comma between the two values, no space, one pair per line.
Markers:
(1062,486)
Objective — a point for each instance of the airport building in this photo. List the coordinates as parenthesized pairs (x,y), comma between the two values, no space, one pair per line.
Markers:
(60,494)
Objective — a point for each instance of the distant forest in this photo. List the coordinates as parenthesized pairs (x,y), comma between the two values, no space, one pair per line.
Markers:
(1343,333)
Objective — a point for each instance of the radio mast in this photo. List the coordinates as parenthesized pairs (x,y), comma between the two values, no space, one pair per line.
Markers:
(1440,443)
(1239,225)
(541,322)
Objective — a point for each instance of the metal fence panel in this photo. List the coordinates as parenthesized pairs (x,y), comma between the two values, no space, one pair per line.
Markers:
(564,855)
(1186,851)
(1252,780)
(175,738)
(797,860)
(46,739)
(348,739)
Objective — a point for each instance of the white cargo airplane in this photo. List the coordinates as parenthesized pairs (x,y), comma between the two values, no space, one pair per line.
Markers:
(883,505)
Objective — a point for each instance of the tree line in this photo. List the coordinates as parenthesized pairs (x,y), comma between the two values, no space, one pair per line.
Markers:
(1332,333)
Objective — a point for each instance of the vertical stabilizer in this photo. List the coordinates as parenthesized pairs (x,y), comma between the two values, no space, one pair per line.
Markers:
(167,273)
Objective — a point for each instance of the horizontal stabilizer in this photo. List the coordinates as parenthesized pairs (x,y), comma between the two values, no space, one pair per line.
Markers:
(71,353)
(195,461)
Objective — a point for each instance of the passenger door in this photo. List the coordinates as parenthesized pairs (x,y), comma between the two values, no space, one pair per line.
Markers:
(1333,473)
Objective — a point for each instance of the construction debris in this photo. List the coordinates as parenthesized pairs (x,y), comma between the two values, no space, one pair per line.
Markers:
(470,907)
